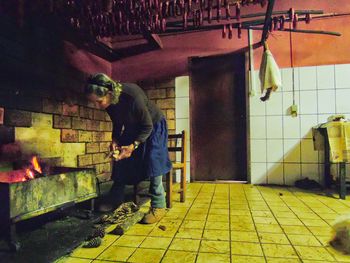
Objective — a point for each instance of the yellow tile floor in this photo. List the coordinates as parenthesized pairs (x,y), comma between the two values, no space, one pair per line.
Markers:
(230,223)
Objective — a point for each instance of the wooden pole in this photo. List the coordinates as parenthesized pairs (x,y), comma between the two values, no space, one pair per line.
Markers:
(321,32)
(267,20)
(223,18)
(245,25)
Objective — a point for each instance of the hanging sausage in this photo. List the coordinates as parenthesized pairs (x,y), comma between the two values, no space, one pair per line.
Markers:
(308,18)
(224,31)
(295,21)
(282,21)
(184,20)
(291,13)
(160,9)
(189,5)
(173,4)
(127,26)
(275,21)
(156,5)
(210,14)
(201,4)
(218,10)
(157,23)
(178,8)
(230,31)
(239,30)
(199,18)
(263,3)
(163,25)
(238,11)
(227,9)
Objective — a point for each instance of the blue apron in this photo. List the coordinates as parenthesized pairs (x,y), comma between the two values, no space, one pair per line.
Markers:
(150,159)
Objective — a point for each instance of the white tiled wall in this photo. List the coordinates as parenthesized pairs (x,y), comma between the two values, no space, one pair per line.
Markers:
(281,145)
(182,113)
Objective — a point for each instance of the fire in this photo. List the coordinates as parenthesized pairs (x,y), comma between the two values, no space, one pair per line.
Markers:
(30,171)
(36,165)
(29,174)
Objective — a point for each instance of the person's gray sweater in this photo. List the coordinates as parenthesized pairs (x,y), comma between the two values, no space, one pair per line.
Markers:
(133,116)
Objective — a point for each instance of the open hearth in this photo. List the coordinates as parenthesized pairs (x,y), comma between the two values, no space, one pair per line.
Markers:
(60,187)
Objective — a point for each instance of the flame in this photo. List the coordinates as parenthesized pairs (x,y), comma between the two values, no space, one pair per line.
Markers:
(29,174)
(30,171)
(36,165)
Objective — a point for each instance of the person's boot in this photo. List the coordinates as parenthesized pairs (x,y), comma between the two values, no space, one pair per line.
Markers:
(154,215)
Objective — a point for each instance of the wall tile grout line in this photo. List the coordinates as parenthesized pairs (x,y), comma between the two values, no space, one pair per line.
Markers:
(318,110)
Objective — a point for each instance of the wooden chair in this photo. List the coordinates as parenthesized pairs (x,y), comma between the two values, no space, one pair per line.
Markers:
(177,143)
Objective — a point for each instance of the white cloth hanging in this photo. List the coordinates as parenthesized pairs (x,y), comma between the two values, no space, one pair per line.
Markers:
(269,73)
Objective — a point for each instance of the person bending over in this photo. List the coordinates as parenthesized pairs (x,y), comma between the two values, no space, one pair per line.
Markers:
(139,140)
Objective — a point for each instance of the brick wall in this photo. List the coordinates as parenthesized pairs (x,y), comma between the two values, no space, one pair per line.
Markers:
(74,134)
(78,134)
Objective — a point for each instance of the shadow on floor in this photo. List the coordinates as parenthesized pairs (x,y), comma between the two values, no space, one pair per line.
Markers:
(44,239)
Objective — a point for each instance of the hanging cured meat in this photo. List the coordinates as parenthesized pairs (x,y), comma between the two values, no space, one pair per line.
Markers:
(238,11)
(224,31)
(308,18)
(108,18)
(218,11)
(295,21)
(230,31)
(281,22)
(239,30)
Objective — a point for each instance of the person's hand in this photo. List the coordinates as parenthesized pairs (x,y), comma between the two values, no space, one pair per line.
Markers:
(125,152)
(114,150)
(113,146)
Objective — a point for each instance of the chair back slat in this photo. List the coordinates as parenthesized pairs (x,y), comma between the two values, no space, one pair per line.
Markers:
(172,136)
(174,149)
(177,143)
